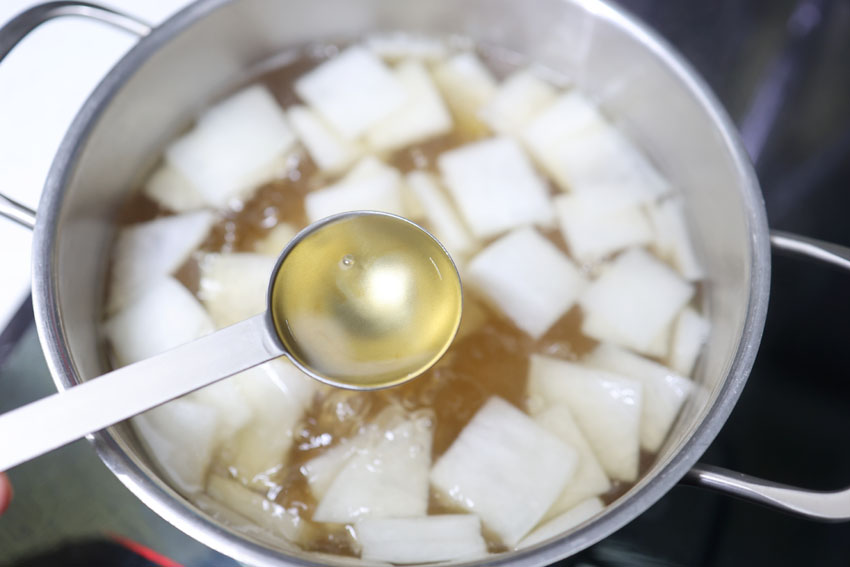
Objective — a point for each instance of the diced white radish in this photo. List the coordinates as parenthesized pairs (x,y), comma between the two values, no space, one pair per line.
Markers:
(594,229)
(368,166)
(322,470)
(328,149)
(263,512)
(590,478)
(441,215)
(234,286)
(664,391)
(278,394)
(378,192)
(352,92)
(421,540)
(633,300)
(660,345)
(384,480)
(689,335)
(423,115)
(518,99)
(170,189)
(672,240)
(527,278)
(467,86)
(396,46)
(165,316)
(147,251)
(236,146)
(579,514)
(273,243)
(413,208)
(180,437)
(495,186)
(506,469)
(233,409)
(606,407)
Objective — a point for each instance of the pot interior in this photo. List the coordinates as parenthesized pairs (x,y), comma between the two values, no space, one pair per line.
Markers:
(205,51)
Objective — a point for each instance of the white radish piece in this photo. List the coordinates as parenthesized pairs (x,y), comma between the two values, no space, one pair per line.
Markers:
(420,540)
(606,407)
(165,316)
(532,282)
(594,229)
(387,479)
(467,86)
(664,391)
(232,407)
(170,189)
(506,469)
(518,99)
(255,507)
(378,192)
(423,115)
(442,218)
(590,478)
(278,394)
(236,146)
(326,147)
(273,243)
(322,470)
(495,187)
(147,251)
(672,239)
(352,92)
(234,286)
(397,46)
(180,437)
(577,515)
(690,332)
(633,301)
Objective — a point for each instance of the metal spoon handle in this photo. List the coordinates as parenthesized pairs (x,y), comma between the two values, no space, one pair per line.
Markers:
(56,420)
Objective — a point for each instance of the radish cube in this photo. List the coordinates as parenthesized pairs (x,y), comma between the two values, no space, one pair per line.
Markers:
(633,300)
(322,470)
(234,286)
(672,240)
(506,469)
(397,46)
(389,478)
(594,229)
(689,335)
(165,316)
(352,92)
(147,251)
(236,146)
(263,512)
(519,98)
(441,215)
(467,86)
(495,187)
(577,515)
(606,407)
(421,540)
(327,148)
(180,437)
(273,243)
(378,192)
(423,115)
(227,400)
(170,189)
(527,278)
(664,391)
(278,394)
(590,478)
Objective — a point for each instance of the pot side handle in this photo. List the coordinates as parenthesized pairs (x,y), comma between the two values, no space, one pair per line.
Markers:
(21,25)
(828,506)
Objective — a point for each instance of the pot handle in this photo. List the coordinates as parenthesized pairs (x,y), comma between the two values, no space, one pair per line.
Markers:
(829,506)
(21,25)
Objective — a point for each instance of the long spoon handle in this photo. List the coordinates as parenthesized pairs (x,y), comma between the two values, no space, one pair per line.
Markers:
(56,420)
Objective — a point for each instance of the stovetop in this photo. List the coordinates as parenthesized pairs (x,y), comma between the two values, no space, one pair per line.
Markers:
(782,68)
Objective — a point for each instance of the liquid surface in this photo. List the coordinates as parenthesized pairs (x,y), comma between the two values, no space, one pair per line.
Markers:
(366,301)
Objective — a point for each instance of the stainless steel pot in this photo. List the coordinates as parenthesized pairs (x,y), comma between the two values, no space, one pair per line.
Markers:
(636,76)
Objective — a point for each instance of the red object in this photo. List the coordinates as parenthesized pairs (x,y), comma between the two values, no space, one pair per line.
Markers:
(5,492)
(145,552)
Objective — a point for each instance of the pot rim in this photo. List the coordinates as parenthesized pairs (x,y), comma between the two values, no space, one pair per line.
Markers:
(179,512)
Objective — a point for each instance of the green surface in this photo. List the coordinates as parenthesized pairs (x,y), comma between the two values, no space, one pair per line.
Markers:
(69,494)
